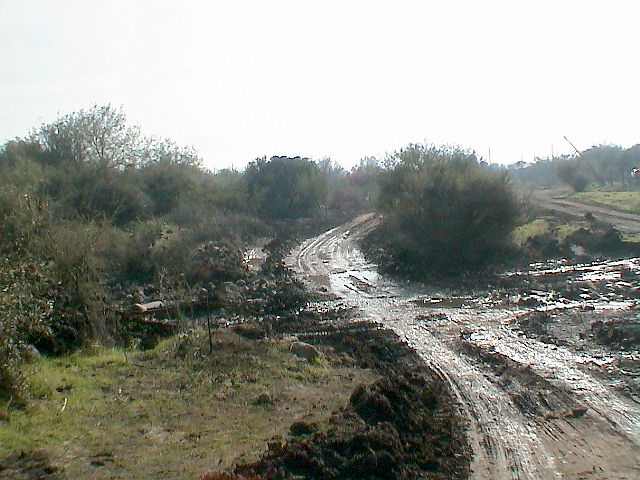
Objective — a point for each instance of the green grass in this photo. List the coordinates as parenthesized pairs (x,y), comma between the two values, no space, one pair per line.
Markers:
(173,412)
(624,201)
(538,226)
(541,226)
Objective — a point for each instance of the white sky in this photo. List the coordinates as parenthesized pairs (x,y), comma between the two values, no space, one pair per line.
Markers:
(344,79)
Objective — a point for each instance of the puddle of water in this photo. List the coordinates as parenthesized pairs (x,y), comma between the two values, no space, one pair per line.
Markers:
(436,302)
(593,271)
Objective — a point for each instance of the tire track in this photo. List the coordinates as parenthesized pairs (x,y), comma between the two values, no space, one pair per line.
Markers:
(506,443)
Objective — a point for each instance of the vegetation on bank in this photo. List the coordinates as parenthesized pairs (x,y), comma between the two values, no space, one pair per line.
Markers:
(625,201)
(599,167)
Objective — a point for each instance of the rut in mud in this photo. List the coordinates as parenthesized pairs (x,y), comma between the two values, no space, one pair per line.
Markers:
(536,409)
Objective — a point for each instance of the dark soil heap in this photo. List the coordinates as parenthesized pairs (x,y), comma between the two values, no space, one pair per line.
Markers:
(402,427)
(622,334)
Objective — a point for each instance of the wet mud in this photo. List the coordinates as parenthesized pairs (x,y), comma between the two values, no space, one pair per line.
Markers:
(546,391)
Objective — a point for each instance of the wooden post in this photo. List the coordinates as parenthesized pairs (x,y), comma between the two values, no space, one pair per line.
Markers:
(209,328)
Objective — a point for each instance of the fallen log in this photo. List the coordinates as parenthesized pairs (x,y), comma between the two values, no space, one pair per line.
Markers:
(148,307)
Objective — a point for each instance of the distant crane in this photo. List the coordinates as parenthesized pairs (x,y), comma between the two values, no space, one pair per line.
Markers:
(574,147)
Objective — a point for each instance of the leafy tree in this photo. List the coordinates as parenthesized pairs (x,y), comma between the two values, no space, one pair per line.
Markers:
(569,172)
(90,192)
(99,135)
(354,191)
(165,182)
(541,173)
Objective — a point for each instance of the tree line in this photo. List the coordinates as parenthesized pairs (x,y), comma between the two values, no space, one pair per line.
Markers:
(600,165)
(93,211)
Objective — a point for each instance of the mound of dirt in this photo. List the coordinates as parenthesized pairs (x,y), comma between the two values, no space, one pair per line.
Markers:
(394,429)
(402,427)
(603,239)
(372,347)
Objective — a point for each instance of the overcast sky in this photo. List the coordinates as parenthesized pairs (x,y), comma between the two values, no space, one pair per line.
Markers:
(342,79)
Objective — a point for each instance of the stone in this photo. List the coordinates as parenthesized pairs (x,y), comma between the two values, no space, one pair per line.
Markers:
(304,350)
(264,399)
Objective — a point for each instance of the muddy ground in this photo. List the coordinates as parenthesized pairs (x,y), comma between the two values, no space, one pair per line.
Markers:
(541,360)
(611,340)
(404,426)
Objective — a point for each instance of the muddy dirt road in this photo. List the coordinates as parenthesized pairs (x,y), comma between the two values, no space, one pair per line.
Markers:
(623,221)
(535,410)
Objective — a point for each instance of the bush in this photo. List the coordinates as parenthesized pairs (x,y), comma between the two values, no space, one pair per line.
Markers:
(445,212)
(92,192)
(569,172)
(24,319)
(285,187)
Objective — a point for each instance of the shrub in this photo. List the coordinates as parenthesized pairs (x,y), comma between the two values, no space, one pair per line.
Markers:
(445,211)
(24,319)
(24,305)
(285,187)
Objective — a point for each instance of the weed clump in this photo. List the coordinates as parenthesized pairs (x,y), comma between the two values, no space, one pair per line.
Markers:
(29,465)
